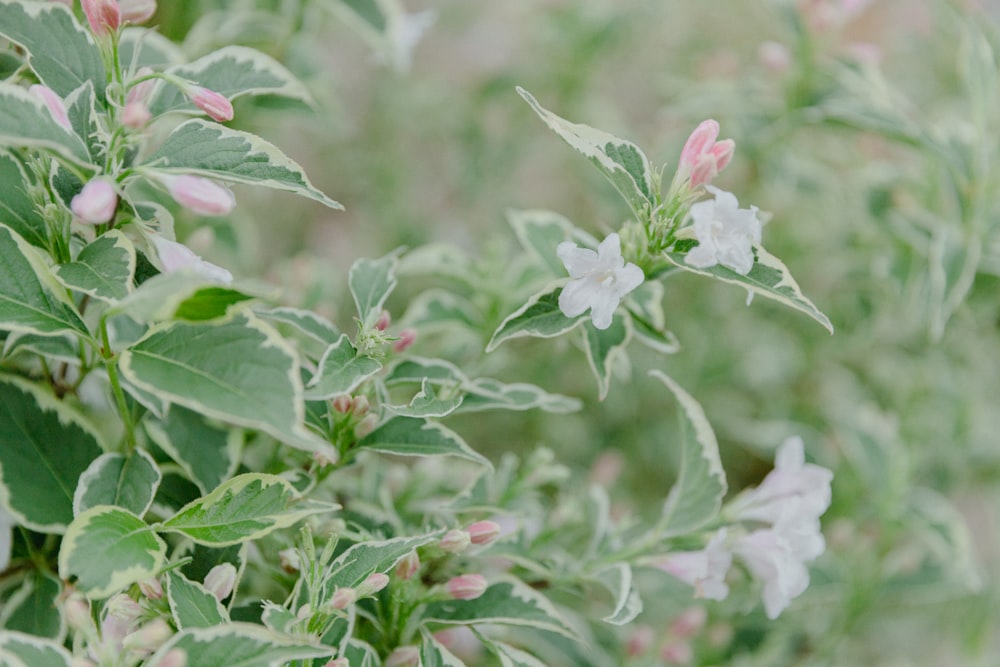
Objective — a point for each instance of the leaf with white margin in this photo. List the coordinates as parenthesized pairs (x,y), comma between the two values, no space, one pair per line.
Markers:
(183,295)
(214,151)
(340,371)
(242,644)
(540,233)
(617,579)
(490,394)
(108,548)
(359,560)
(312,330)
(238,371)
(696,496)
(244,508)
(33,607)
(438,308)
(17,207)
(60,51)
(191,604)
(622,162)
(428,403)
(45,445)
(129,482)
(769,277)
(104,269)
(410,436)
(22,650)
(649,321)
(507,601)
(434,654)
(232,71)
(371,281)
(81,110)
(208,453)
(419,369)
(509,656)
(604,347)
(141,47)
(540,317)
(361,654)
(31,299)
(26,121)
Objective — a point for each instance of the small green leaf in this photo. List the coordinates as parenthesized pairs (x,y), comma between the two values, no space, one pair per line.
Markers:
(490,394)
(427,403)
(769,277)
(604,347)
(510,656)
(45,445)
(208,453)
(26,121)
(409,436)
(104,269)
(244,508)
(340,371)
(17,207)
(129,482)
(440,309)
(540,317)
(243,644)
(371,281)
(183,295)
(541,232)
(696,496)
(617,579)
(33,607)
(22,650)
(211,150)
(313,331)
(191,605)
(622,162)
(107,548)
(418,369)
(359,560)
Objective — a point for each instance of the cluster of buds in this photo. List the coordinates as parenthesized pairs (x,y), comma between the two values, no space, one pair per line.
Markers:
(107,16)
(355,414)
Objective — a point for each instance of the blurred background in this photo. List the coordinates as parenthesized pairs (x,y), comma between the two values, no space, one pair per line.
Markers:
(867,130)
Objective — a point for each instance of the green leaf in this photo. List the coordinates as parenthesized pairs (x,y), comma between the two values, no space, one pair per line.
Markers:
(22,650)
(148,48)
(31,299)
(622,162)
(244,508)
(490,394)
(129,482)
(340,371)
(617,579)
(233,71)
(427,403)
(418,369)
(26,121)
(604,347)
(510,656)
(409,436)
(108,548)
(438,308)
(82,114)
(207,453)
(649,321)
(361,654)
(359,560)
(17,208)
(104,269)
(506,602)
(238,371)
(191,605)
(185,295)
(696,496)
(434,654)
(242,644)
(769,277)
(311,329)
(33,607)
(540,317)
(45,446)
(371,281)
(209,149)
(541,232)
(60,51)
(56,348)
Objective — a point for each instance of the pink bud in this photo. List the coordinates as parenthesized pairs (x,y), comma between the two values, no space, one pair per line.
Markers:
(403,656)
(149,637)
(467,586)
(338,662)
(151,588)
(96,202)
(676,653)
(689,622)
(640,640)
(360,406)
(774,56)
(53,103)
(702,157)
(176,256)
(121,616)
(142,91)
(483,532)
(366,425)
(406,339)
(455,541)
(408,566)
(199,195)
(343,598)
(137,11)
(342,404)
(383,321)
(136,115)
(104,16)
(77,612)
(372,584)
(220,581)
(325,458)
(216,105)
(175,657)
(701,139)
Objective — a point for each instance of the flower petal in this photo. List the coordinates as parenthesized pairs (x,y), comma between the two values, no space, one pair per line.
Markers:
(578,261)
(602,308)
(627,279)
(575,298)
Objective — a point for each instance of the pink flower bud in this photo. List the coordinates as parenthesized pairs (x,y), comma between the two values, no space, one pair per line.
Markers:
(467,586)
(200,195)
(383,321)
(366,425)
(76,609)
(136,115)
(408,566)
(176,256)
(137,11)
(220,581)
(403,656)
(483,532)
(702,157)
(688,623)
(151,588)
(175,657)
(338,662)
(96,202)
(455,541)
(360,406)
(216,105)
(406,338)
(774,56)
(640,640)
(343,598)
(372,584)
(53,103)
(342,404)
(104,16)
(325,458)
(149,637)
(676,653)
(121,616)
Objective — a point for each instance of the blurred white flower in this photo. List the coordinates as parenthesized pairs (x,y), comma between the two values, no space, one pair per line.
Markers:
(600,280)
(705,570)
(726,233)
(772,559)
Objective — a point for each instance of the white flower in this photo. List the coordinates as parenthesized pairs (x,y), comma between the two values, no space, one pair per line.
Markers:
(772,559)
(175,256)
(726,233)
(600,280)
(705,570)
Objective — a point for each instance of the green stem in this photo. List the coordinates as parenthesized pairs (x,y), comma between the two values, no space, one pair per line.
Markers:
(110,363)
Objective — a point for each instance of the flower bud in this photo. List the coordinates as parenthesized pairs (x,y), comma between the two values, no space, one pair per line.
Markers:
(200,195)
(702,157)
(467,586)
(76,609)
(774,56)
(325,458)
(216,105)
(53,103)
(290,561)
(96,203)
(343,597)
(121,616)
(360,406)
(483,532)
(104,16)
(689,622)
(406,338)
(142,91)
(175,657)
(135,115)
(455,541)
(151,588)
(383,321)
(676,653)
(220,581)
(403,656)
(639,641)
(366,425)
(372,584)
(338,662)
(408,566)
(176,256)
(342,404)
(149,637)
(137,11)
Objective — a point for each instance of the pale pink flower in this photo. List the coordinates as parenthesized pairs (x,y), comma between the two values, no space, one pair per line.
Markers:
(726,233)
(640,640)
(483,532)
(774,56)
(96,203)
(221,580)
(600,280)
(104,16)
(137,11)
(136,115)
(53,103)
(76,609)
(216,105)
(705,570)
(372,584)
(467,586)
(689,622)
(121,617)
(676,653)
(406,338)
(383,321)
(408,566)
(199,195)
(702,157)
(343,597)
(151,588)
(455,541)
(142,91)
(149,637)
(176,256)
(772,559)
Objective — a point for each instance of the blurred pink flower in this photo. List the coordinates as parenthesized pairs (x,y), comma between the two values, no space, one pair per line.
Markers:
(137,11)
(176,256)
(199,195)
(705,569)
(104,16)
(96,203)
(702,157)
